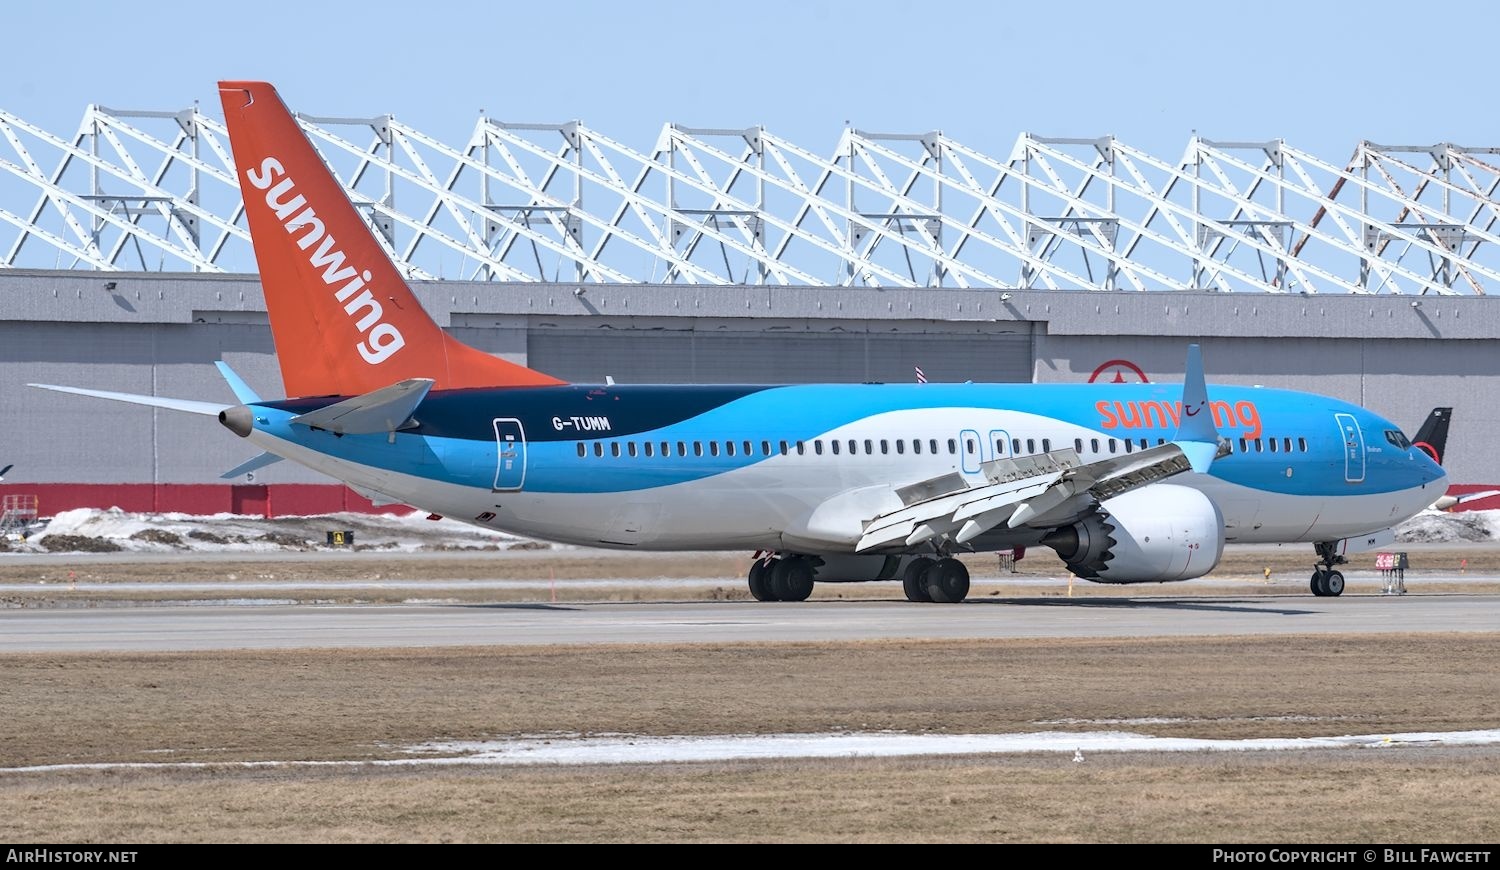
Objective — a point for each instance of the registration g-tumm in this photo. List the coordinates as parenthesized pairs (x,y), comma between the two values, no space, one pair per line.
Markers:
(824,482)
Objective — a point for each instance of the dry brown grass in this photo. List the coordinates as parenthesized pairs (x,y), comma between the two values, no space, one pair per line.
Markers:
(1319,797)
(366,704)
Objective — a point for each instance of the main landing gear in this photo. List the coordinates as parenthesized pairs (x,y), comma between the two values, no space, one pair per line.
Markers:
(1327,582)
(943,581)
(789,578)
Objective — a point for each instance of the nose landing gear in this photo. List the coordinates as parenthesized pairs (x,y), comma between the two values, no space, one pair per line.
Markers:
(1327,582)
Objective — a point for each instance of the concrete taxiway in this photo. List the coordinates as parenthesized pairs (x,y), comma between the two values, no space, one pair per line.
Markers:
(224,627)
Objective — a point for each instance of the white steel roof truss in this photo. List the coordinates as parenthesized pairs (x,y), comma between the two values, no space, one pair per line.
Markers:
(1482,197)
(1410,207)
(395,170)
(1075,202)
(612,183)
(876,226)
(540,199)
(988,201)
(791,230)
(1167,206)
(165,206)
(1339,212)
(89,252)
(1245,204)
(1160,205)
(61,198)
(1413,237)
(785,272)
(722,203)
(901,213)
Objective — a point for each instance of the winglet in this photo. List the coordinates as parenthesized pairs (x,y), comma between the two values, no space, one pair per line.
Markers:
(1196,434)
(241,389)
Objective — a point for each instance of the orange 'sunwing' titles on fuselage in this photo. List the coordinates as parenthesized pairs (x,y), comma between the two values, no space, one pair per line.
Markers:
(1167,415)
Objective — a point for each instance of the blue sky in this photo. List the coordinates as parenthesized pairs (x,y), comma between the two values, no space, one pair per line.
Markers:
(1322,75)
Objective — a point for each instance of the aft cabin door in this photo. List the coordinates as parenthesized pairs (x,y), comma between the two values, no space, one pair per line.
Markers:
(510,442)
(1354,447)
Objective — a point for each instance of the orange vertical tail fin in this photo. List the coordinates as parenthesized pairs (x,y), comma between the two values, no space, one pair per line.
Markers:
(344,320)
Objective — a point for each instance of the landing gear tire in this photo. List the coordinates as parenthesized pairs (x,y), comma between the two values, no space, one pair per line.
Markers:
(792,579)
(948,581)
(1327,584)
(760,581)
(914,580)
(1326,581)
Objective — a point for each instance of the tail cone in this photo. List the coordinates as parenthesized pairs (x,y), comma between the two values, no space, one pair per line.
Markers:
(238,420)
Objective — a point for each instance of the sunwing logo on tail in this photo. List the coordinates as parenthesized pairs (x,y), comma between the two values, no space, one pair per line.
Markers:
(382,340)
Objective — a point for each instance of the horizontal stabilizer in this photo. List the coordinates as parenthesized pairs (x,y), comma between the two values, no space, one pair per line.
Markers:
(241,389)
(384,410)
(250,465)
(210,409)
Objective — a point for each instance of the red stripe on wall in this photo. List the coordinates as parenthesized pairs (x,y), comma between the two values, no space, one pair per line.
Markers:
(273,500)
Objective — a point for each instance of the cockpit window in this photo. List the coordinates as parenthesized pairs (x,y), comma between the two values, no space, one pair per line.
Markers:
(1397,438)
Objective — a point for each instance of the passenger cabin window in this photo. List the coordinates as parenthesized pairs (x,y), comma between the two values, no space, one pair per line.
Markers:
(1078,444)
(900,446)
(1046,445)
(598,448)
(765,448)
(713,448)
(932,446)
(728,448)
(630,448)
(1030,445)
(1129,445)
(783,448)
(1302,445)
(697,448)
(1015,447)
(834,444)
(884,445)
(916,445)
(681,448)
(746,445)
(1257,445)
(1111,445)
(801,448)
(969,446)
(581,450)
(647,445)
(1094,444)
(870,447)
(1244,446)
(614,448)
(853,447)
(818,446)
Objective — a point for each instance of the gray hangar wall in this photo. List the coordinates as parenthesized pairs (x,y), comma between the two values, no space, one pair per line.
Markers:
(160,333)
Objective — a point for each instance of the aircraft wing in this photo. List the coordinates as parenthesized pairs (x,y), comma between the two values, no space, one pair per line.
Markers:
(1049,489)
(1037,491)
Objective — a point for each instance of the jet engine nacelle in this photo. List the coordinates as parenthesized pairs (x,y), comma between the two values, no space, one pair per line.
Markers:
(1154,534)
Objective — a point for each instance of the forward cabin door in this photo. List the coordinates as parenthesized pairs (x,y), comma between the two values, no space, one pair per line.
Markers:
(1354,448)
(510,444)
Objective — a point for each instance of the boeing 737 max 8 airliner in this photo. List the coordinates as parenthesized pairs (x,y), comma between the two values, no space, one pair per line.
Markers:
(1129,484)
